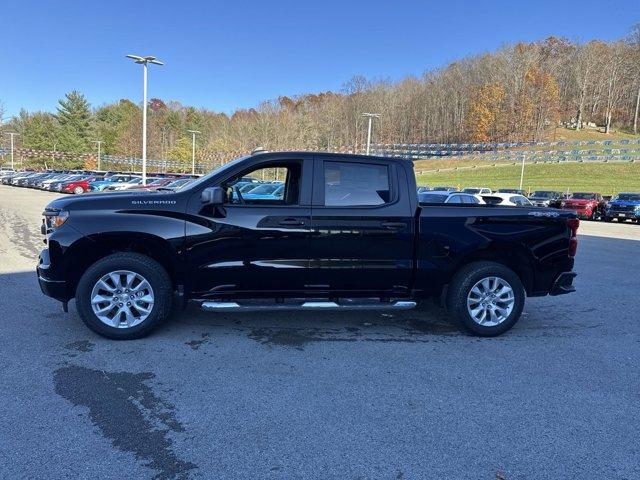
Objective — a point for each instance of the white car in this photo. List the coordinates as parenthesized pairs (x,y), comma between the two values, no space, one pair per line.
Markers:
(507,199)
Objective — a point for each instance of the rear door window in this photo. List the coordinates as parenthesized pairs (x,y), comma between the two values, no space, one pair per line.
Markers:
(356,184)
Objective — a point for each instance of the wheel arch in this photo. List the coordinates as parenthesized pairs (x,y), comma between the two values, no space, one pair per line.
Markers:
(515,257)
(88,250)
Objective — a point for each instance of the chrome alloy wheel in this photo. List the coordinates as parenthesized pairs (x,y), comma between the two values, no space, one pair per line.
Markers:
(122,299)
(490,301)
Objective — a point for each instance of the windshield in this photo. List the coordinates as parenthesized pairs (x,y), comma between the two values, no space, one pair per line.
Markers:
(160,181)
(583,196)
(543,194)
(205,179)
(471,190)
(628,197)
(179,183)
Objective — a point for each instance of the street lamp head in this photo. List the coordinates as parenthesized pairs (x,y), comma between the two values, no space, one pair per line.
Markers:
(143,60)
(373,115)
(194,131)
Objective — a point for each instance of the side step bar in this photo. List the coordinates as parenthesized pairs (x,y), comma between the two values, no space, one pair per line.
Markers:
(212,306)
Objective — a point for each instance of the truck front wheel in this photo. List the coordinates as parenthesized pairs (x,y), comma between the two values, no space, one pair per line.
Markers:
(124,296)
(485,298)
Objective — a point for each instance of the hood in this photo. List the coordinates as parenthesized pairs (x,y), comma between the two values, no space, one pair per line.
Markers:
(624,203)
(576,201)
(114,200)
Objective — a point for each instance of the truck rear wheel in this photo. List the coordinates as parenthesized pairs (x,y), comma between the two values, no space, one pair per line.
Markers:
(485,298)
(124,296)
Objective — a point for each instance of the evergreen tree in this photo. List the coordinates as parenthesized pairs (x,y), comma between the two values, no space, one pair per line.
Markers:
(74,117)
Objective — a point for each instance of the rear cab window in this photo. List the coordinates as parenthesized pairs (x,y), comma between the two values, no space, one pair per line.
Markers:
(348,184)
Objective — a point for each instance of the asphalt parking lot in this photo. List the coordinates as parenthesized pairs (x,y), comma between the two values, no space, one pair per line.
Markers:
(323,395)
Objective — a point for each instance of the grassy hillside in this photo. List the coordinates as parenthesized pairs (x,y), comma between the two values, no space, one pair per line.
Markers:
(606,178)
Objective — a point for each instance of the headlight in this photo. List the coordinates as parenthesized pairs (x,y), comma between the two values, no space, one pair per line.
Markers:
(55,219)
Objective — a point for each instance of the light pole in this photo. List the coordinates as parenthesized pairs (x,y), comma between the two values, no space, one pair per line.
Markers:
(99,142)
(193,150)
(143,61)
(371,116)
(12,134)
(522,172)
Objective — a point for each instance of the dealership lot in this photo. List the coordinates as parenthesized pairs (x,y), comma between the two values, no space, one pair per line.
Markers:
(333,395)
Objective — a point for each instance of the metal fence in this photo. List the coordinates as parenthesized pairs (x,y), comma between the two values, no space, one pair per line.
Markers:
(482,154)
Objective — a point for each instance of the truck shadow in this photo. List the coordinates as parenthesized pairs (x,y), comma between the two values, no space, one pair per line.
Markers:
(426,324)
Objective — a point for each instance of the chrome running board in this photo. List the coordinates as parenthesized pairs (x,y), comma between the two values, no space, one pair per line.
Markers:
(253,306)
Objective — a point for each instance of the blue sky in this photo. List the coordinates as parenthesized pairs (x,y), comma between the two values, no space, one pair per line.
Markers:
(233,54)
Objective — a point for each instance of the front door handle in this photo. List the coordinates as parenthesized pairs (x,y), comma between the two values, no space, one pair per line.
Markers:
(291,222)
(393,225)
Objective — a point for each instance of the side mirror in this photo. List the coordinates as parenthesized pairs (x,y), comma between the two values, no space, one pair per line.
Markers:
(212,196)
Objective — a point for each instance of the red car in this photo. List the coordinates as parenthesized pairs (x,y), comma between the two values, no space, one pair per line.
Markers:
(585,204)
(78,186)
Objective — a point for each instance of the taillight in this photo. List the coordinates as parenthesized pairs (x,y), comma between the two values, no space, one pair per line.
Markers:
(573,224)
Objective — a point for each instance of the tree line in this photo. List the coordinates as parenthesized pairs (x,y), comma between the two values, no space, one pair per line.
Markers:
(517,93)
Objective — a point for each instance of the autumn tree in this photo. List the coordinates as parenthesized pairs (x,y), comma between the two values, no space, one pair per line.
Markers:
(484,113)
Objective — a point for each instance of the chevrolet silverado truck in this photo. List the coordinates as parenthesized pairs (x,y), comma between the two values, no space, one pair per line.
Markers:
(345,232)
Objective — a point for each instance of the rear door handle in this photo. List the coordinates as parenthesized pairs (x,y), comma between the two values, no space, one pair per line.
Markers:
(393,225)
(291,222)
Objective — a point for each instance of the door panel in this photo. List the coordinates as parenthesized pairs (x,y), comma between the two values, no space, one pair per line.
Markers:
(253,246)
(250,249)
(361,248)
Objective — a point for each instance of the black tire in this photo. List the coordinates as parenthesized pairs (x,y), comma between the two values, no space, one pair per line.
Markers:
(151,270)
(464,280)
(607,219)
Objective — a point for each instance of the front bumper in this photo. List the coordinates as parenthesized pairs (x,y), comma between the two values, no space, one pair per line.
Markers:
(631,214)
(50,287)
(582,213)
(563,284)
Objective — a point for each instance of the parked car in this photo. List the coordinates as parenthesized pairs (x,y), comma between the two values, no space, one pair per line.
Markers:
(512,190)
(46,184)
(622,207)
(79,185)
(557,202)
(357,239)
(507,199)
(544,198)
(133,183)
(100,185)
(584,204)
(32,182)
(6,179)
(477,190)
(445,189)
(263,191)
(450,197)
(58,185)
(19,179)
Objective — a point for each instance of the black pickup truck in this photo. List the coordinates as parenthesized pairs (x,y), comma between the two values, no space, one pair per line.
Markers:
(333,231)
